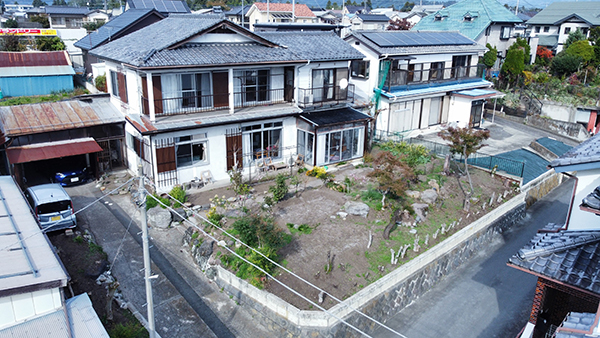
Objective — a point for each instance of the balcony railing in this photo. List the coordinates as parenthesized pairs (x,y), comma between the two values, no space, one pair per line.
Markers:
(189,103)
(325,95)
(407,78)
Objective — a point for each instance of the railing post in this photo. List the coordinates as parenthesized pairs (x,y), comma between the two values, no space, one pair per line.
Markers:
(151,103)
(231,95)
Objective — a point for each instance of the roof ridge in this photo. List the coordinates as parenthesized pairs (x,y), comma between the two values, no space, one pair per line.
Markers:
(486,10)
(527,254)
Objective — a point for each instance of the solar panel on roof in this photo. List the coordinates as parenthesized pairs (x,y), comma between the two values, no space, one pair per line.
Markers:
(417,39)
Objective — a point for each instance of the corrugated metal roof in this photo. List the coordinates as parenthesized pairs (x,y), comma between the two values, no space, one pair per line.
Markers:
(67,10)
(45,117)
(48,150)
(84,320)
(31,59)
(52,325)
(163,6)
(36,71)
(448,87)
(334,116)
(14,266)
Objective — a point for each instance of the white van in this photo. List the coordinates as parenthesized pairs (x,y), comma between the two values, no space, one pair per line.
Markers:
(52,206)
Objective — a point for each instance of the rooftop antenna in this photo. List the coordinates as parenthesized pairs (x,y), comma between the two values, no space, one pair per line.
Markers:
(268,19)
(243,14)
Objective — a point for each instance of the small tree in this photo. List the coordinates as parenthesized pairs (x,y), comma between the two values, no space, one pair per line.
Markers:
(38,3)
(521,43)
(490,57)
(465,141)
(513,66)
(543,56)
(399,25)
(101,82)
(280,189)
(46,43)
(565,64)
(11,43)
(11,23)
(239,187)
(42,19)
(573,37)
(392,175)
(93,25)
(583,49)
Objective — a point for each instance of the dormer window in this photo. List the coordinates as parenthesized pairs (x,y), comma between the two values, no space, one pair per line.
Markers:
(437,17)
(468,17)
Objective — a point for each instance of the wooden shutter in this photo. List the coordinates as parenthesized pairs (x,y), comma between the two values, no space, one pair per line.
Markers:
(157,90)
(145,105)
(165,159)
(122,87)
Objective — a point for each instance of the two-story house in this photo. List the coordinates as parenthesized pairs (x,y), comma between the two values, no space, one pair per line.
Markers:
(419,79)
(554,23)
(485,21)
(565,257)
(205,94)
(262,12)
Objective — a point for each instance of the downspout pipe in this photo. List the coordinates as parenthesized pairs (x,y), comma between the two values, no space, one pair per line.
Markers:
(572,199)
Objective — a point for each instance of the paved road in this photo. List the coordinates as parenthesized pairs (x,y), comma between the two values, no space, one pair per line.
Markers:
(185,304)
(485,298)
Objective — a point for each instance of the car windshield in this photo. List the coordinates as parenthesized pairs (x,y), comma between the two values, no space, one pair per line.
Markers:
(53,207)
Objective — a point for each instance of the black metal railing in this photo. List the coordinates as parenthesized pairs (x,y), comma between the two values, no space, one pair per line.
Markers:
(259,97)
(322,95)
(404,77)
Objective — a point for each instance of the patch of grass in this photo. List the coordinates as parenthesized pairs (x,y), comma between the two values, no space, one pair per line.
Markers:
(54,97)
(129,330)
(372,198)
(79,240)
(303,228)
(381,256)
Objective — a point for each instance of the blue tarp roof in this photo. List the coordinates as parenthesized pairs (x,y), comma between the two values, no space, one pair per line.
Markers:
(535,165)
(556,147)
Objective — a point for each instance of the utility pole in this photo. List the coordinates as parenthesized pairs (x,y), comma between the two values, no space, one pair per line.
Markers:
(146,249)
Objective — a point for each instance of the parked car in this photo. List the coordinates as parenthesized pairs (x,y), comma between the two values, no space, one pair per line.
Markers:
(52,206)
(71,177)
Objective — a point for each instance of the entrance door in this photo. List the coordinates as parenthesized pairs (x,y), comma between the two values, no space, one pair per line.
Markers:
(476,109)
(288,89)
(221,89)
(233,143)
(435,110)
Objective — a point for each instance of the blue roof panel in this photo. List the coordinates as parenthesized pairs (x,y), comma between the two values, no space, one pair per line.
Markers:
(421,39)
(556,147)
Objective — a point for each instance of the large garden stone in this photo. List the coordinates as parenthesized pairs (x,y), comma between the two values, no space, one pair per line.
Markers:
(159,218)
(429,196)
(356,208)
(420,209)
(202,252)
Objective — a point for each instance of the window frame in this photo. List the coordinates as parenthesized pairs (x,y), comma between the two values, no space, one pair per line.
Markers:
(546,29)
(439,71)
(505,32)
(360,69)
(191,141)
(567,30)
(538,29)
(261,129)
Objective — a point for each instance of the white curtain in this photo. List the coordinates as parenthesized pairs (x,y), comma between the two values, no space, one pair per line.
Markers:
(317,86)
(171,89)
(237,87)
(205,88)
(321,149)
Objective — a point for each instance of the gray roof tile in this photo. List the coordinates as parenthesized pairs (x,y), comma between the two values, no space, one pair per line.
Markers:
(67,10)
(163,6)
(137,50)
(114,27)
(586,152)
(557,12)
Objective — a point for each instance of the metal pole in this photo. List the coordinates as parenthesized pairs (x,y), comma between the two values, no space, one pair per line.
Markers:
(494,115)
(146,249)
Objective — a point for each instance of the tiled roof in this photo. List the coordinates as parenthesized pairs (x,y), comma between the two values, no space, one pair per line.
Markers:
(586,152)
(115,26)
(314,46)
(575,321)
(237,10)
(556,12)
(484,13)
(67,10)
(416,50)
(301,9)
(354,9)
(137,50)
(34,59)
(373,17)
(571,257)
(163,6)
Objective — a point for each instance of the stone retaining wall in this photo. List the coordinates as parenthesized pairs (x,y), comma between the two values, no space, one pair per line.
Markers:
(567,129)
(390,294)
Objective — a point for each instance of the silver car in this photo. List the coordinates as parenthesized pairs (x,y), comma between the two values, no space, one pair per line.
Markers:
(52,206)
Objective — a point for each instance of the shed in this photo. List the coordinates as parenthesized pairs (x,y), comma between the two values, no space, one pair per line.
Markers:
(35,73)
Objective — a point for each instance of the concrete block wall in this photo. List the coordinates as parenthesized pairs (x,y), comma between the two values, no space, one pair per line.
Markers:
(567,129)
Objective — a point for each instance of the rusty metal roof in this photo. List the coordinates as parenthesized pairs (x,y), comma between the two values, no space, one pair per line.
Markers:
(55,116)
(30,59)
(48,150)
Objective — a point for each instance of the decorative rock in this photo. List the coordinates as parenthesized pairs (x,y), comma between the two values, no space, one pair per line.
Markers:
(420,209)
(405,217)
(506,192)
(159,218)
(233,213)
(429,196)
(434,184)
(202,252)
(296,226)
(357,208)
(435,234)
(413,231)
(422,178)
(492,198)
(222,243)
(231,199)
(178,215)
(187,204)
(122,192)
(427,239)
(413,194)
(321,297)
(342,214)
(196,207)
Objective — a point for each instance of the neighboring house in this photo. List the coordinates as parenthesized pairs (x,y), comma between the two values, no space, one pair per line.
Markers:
(426,9)
(237,14)
(349,10)
(565,257)
(88,132)
(261,12)
(430,78)
(126,23)
(301,27)
(33,279)
(554,23)
(485,21)
(411,17)
(67,17)
(205,95)
(164,7)
(35,73)
(369,22)
(327,17)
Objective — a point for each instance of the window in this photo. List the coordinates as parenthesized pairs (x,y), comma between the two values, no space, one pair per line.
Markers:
(584,30)
(263,140)
(360,68)
(537,29)
(118,85)
(415,71)
(505,33)
(546,29)
(567,30)
(191,150)
(468,18)
(305,145)
(322,84)
(460,66)
(195,90)
(343,145)
(436,72)
(252,85)
(437,17)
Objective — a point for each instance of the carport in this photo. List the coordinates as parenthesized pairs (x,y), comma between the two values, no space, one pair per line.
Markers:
(87,132)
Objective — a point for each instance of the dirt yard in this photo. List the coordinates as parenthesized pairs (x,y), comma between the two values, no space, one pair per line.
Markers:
(346,239)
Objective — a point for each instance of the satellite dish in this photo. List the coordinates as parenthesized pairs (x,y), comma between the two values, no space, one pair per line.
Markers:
(343,83)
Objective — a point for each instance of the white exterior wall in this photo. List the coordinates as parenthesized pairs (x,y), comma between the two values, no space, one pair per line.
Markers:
(562,37)
(18,308)
(587,181)
(494,38)
(459,110)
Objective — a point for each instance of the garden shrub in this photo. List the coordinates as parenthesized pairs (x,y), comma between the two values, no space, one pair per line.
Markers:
(280,189)
(178,194)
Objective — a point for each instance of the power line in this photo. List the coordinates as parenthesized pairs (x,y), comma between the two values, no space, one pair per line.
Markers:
(46,229)
(285,269)
(261,270)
